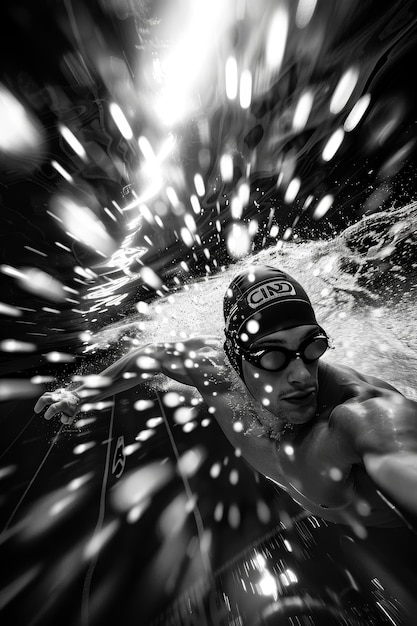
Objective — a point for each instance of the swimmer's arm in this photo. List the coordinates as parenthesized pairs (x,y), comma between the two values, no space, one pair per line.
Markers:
(387,443)
(134,368)
(396,475)
(141,365)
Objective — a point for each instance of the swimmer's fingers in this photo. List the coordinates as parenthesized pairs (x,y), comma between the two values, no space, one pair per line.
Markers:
(57,407)
(66,403)
(43,401)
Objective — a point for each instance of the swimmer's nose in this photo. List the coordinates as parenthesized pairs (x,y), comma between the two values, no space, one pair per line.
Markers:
(298,372)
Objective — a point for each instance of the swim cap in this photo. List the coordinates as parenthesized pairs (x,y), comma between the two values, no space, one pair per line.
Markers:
(259,301)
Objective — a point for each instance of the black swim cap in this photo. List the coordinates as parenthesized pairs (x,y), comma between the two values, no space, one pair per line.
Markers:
(259,301)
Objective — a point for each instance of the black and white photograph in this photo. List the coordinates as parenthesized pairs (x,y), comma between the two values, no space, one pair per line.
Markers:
(208,346)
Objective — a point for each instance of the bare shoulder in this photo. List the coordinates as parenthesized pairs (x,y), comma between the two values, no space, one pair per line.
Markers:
(368,414)
(381,420)
(350,378)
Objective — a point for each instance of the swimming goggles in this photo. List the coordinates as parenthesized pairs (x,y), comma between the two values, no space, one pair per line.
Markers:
(274,359)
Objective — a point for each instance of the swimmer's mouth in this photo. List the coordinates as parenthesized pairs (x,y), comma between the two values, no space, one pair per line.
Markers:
(301,397)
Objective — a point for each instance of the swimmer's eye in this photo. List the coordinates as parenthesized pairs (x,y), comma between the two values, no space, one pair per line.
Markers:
(275,359)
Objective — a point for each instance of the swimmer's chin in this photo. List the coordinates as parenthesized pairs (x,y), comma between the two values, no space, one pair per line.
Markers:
(301,417)
(295,416)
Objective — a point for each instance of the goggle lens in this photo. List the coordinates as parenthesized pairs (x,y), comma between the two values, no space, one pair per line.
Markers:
(273,360)
(315,349)
(276,359)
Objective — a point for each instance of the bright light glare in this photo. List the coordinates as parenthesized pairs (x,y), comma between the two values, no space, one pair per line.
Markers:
(245,89)
(226,167)
(190,223)
(14,345)
(72,140)
(100,539)
(39,282)
(323,206)
(344,90)
(146,149)
(277,39)
(291,576)
(302,111)
(81,222)
(357,112)
(307,202)
(152,169)
(244,193)
(192,57)
(292,190)
(195,203)
(191,461)
(260,560)
(231,78)
(150,278)
(333,144)
(7,309)
(140,484)
(238,241)
(62,171)
(121,121)
(18,132)
(236,208)
(268,585)
(199,185)
(187,237)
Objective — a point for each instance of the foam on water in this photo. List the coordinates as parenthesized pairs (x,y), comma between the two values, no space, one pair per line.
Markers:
(377,338)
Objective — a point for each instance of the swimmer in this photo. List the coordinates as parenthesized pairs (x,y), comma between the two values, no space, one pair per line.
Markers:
(343,445)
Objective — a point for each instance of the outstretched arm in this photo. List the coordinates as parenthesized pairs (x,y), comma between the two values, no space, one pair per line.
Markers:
(132,369)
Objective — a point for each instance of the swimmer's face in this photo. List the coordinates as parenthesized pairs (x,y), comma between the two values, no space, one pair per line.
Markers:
(289,394)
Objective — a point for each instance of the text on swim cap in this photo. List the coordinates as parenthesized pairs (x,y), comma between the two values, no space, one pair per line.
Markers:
(270,291)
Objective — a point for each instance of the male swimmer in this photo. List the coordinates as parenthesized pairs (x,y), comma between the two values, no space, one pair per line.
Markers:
(332,438)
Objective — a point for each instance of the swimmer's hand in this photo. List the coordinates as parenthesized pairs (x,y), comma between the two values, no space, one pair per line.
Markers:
(59,402)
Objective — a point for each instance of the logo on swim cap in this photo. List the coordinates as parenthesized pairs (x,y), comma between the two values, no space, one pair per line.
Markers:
(269,291)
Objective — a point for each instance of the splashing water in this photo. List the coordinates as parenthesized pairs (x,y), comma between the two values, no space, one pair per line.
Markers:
(163,149)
